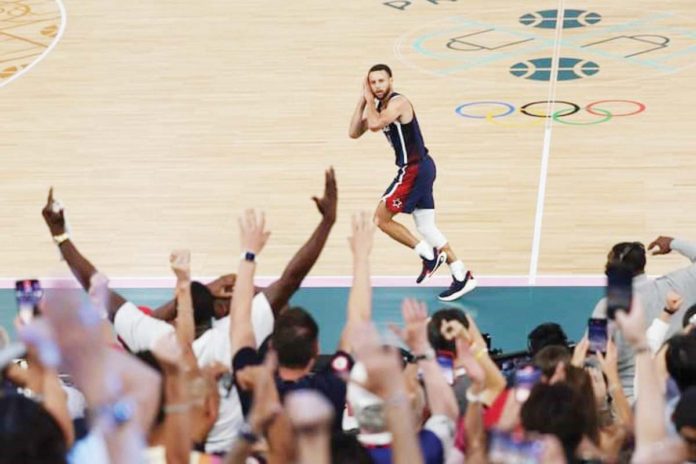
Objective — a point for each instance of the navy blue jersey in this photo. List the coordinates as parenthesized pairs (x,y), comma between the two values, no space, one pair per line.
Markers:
(405,139)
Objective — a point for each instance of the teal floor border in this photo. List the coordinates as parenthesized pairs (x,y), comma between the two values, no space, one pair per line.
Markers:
(507,313)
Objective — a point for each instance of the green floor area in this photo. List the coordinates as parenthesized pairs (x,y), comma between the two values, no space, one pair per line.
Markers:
(507,313)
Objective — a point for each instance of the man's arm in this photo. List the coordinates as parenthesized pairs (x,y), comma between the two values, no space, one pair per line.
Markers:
(358,122)
(397,108)
(664,245)
(81,268)
(280,291)
(360,297)
(441,399)
(253,237)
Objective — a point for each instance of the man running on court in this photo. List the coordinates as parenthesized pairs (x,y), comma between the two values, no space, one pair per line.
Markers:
(411,192)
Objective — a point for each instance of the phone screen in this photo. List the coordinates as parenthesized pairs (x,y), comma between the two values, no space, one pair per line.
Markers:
(597,334)
(619,289)
(525,379)
(506,447)
(447,365)
(28,293)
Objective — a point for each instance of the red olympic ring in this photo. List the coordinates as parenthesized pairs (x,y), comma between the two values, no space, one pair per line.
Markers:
(641,107)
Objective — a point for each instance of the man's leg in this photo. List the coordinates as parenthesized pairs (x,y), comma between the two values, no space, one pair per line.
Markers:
(462,280)
(384,219)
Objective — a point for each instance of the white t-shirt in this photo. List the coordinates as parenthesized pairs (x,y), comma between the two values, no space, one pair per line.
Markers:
(139,332)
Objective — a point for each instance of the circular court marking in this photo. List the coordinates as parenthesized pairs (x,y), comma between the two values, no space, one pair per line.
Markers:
(510,109)
(641,107)
(35,27)
(574,108)
(607,117)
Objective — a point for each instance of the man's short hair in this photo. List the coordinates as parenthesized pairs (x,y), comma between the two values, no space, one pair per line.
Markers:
(294,338)
(681,360)
(555,409)
(547,358)
(381,67)
(437,341)
(629,254)
(548,333)
(691,312)
(203,307)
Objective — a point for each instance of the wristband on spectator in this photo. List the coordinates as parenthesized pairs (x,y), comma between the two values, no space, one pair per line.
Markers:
(59,239)
(472,397)
(112,415)
(429,355)
(480,353)
(247,434)
(669,311)
(248,256)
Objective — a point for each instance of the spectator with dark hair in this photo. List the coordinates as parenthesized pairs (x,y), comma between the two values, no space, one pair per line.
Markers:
(680,358)
(548,358)
(653,293)
(29,433)
(684,419)
(689,317)
(557,410)
(546,334)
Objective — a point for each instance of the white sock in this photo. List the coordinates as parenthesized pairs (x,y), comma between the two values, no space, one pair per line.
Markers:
(424,250)
(458,270)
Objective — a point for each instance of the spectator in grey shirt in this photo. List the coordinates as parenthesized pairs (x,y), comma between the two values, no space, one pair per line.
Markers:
(653,293)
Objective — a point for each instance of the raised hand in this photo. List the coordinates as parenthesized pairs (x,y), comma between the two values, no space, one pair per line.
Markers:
(308,410)
(466,359)
(580,352)
(673,302)
(384,376)
(609,361)
(415,331)
(327,204)
(363,232)
(180,261)
(632,324)
(252,232)
(223,286)
(367,91)
(53,215)
(663,245)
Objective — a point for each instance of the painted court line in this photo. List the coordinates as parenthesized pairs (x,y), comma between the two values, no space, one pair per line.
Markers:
(337,281)
(49,49)
(546,149)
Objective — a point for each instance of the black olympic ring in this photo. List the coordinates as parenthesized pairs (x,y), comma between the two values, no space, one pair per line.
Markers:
(574,108)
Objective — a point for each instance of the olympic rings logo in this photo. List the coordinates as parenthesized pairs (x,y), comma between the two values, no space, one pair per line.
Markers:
(496,110)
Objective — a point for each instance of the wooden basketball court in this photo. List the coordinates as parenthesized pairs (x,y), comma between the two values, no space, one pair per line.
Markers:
(158,122)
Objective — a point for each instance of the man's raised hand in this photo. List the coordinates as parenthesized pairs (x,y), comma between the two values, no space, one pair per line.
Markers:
(327,204)
(53,215)
(252,231)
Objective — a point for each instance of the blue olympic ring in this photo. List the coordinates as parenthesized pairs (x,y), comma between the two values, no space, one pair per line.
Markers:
(510,109)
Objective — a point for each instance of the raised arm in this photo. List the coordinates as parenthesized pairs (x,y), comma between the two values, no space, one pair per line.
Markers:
(81,268)
(358,123)
(280,291)
(252,237)
(441,399)
(664,245)
(180,261)
(360,297)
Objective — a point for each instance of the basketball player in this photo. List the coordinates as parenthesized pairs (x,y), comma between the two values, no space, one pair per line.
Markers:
(411,192)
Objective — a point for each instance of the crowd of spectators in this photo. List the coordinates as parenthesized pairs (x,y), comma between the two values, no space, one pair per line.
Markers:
(230,373)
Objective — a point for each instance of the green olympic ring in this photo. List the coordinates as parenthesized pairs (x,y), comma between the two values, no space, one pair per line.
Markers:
(557,116)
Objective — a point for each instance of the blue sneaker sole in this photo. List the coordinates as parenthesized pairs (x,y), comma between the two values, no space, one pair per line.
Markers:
(468,286)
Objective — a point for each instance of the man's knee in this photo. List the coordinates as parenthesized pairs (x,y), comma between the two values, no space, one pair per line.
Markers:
(382,217)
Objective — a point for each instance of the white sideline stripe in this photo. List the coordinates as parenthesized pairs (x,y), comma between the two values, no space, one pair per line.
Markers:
(338,281)
(546,149)
(49,49)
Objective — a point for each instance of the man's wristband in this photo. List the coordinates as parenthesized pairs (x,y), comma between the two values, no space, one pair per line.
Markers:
(59,239)
(670,312)
(428,355)
(248,256)
(247,434)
